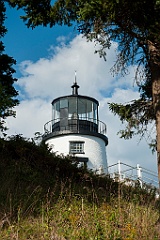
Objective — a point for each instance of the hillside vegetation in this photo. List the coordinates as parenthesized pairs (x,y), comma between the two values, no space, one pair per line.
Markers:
(44,197)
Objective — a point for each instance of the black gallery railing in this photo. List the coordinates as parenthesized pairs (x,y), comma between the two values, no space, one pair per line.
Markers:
(75,125)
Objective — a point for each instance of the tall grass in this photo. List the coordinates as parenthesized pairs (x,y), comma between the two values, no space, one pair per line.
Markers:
(43,196)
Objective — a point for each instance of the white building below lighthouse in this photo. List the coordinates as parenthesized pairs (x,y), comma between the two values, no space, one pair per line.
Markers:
(76,130)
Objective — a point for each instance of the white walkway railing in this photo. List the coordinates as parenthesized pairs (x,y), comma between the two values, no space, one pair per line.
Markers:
(125,172)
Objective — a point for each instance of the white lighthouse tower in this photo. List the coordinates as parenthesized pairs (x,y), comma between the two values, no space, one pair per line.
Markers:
(76,130)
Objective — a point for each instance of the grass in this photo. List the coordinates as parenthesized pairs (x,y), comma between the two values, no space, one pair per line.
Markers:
(46,197)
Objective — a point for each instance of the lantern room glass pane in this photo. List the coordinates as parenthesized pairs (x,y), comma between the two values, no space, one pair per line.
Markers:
(56,111)
(87,109)
(72,107)
(64,103)
(95,112)
(82,108)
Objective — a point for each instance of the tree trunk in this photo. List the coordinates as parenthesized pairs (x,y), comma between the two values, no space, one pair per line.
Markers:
(155,76)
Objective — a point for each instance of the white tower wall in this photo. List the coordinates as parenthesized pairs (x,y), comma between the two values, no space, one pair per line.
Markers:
(94,149)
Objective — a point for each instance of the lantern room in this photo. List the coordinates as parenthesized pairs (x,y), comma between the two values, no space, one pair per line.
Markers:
(75,113)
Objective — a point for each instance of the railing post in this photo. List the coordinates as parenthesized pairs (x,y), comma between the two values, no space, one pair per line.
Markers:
(139,174)
(119,169)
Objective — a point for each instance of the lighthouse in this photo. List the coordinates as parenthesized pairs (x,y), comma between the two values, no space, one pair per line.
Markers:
(75,130)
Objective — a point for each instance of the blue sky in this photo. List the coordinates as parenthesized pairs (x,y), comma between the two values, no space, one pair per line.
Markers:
(24,43)
(46,63)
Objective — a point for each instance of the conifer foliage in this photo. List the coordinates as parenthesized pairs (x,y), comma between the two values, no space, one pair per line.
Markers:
(7,91)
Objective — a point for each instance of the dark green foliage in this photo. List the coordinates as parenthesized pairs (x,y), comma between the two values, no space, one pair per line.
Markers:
(8,93)
(29,172)
(26,158)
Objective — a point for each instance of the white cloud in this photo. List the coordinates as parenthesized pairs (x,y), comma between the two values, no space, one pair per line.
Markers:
(51,77)
(30,117)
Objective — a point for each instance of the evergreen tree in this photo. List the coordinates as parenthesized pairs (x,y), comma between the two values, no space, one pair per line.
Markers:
(7,91)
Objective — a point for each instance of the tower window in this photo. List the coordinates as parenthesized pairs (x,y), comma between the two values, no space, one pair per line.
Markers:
(76,147)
